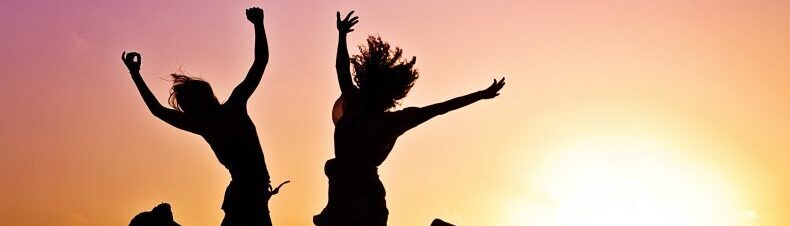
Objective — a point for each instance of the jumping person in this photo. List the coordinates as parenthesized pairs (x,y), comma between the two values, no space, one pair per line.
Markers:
(226,127)
(366,129)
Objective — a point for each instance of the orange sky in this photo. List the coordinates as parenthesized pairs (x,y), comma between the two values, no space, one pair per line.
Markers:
(615,113)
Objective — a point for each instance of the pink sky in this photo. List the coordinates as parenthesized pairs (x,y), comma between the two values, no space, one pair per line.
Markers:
(78,147)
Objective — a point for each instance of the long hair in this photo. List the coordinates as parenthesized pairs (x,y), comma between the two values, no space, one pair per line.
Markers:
(189,93)
(381,74)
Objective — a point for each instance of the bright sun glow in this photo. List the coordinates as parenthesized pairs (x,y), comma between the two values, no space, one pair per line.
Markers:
(625,181)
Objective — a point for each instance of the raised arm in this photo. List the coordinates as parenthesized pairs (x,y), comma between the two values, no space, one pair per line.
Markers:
(172,117)
(342,61)
(244,90)
(416,116)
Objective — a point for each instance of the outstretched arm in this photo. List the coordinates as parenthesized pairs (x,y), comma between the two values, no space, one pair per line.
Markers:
(416,116)
(244,90)
(342,62)
(172,117)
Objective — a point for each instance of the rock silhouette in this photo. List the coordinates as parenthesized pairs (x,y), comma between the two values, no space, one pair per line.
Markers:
(438,222)
(161,215)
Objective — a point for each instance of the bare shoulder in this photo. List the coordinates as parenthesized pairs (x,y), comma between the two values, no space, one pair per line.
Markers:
(337,110)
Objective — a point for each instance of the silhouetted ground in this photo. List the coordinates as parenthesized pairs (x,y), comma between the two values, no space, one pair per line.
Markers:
(437,222)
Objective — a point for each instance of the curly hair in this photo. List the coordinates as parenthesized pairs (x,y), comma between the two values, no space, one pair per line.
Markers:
(190,93)
(382,76)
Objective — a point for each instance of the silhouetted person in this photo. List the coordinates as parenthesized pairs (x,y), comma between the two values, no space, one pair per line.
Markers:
(226,127)
(366,131)
(159,216)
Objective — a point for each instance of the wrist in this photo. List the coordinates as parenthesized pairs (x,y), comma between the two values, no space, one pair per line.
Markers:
(479,95)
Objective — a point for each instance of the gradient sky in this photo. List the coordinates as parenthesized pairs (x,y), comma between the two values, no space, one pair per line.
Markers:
(615,112)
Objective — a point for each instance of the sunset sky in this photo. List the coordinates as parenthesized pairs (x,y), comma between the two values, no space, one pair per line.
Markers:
(615,112)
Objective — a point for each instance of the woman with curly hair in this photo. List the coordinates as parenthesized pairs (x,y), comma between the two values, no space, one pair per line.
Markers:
(226,127)
(366,129)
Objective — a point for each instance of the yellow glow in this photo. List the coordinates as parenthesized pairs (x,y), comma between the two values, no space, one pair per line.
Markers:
(626,180)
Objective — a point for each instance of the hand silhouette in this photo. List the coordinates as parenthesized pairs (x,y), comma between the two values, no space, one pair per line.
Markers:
(129,61)
(493,90)
(344,26)
(274,191)
(255,15)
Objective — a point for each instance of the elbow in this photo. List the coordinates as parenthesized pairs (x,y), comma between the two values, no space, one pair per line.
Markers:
(158,111)
(342,62)
(342,67)
(258,66)
(261,61)
(432,111)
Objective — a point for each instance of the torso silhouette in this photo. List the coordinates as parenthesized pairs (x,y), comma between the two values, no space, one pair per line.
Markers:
(363,140)
(366,137)
(234,140)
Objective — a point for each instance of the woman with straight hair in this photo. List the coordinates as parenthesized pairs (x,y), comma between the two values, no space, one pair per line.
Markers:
(226,127)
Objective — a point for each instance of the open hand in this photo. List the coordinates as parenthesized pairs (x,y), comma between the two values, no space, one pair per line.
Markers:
(344,26)
(493,90)
(255,15)
(132,61)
